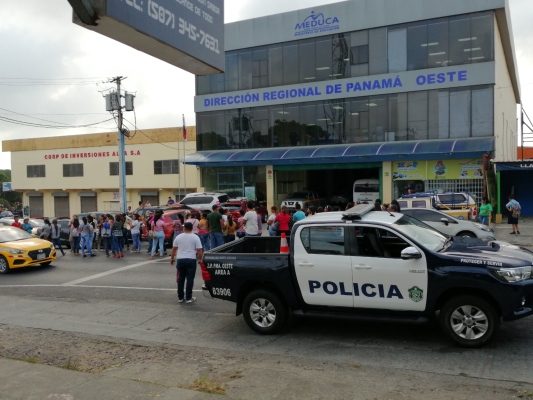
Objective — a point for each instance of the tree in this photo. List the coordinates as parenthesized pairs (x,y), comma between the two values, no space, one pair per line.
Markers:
(8,198)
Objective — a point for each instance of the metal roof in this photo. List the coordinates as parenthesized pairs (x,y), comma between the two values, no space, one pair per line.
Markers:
(346,153)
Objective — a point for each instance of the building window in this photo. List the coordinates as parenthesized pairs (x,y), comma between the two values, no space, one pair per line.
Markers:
(165,167)
(35,171)
(359,55)
(113,168)
(70,170)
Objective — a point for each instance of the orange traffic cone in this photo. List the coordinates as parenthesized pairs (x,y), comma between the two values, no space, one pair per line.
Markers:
(283,247)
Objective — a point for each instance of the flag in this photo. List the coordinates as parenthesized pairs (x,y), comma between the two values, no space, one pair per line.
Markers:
(184,129)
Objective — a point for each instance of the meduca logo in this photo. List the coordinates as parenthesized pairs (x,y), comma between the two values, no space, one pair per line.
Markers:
(316,23)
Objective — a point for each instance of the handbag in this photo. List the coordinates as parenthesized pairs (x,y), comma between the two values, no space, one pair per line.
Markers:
(275,226)
(151,234)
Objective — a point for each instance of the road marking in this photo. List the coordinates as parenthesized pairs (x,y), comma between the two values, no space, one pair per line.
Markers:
(113,271)
(94,286)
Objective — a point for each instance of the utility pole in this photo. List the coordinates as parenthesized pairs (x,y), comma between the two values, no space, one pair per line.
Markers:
(114,103)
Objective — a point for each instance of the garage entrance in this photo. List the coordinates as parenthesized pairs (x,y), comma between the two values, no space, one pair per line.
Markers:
(36,205)
(61,205)
(327,180)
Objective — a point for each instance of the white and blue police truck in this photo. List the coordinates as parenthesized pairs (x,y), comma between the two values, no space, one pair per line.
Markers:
(365,264)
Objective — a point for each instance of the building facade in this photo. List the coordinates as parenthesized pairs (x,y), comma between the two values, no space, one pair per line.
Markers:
(61,176)
(414,93)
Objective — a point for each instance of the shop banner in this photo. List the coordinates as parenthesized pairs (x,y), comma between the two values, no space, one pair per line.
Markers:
(437,169)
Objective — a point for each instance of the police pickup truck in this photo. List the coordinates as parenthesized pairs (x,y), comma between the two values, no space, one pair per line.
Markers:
(374,265)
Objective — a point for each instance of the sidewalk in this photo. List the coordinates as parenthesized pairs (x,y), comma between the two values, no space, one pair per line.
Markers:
(46,382)
(501,231)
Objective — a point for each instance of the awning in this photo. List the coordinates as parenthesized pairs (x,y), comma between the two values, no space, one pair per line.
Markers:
(345,153)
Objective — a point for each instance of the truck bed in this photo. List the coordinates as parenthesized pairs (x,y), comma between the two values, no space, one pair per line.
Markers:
(251,244)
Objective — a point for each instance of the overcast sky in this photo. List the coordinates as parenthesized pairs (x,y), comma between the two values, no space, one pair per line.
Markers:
(54,70)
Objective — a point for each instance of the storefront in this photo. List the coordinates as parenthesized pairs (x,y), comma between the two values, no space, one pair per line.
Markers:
(317,98)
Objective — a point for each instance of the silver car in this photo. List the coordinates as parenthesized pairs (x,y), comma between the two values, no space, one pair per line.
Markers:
(449,225)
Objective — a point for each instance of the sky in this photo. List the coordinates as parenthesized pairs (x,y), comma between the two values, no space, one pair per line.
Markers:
(54,72)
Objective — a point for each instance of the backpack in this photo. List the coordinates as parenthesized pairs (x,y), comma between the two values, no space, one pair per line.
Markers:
(516,210)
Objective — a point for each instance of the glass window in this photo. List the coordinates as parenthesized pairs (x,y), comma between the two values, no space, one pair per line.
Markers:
(359,124)
(275,68)
(376,242)
(359,54)
(397,46)
(417,116)
(217,83)
(113,168)
(482,48)
(461,40)
(290,64)
(164,167)
(378,118)
(437,44)
(341,56)
(424,215)
(308,120)
(70,170)
(482,112)
(245,70)
(417,47)
(232,72)
(323,240)
(203,84)
(459,113)
(307,62)
(323,60)
(418,204)
(35,171)
(260,68)
(259,121)
(377,43)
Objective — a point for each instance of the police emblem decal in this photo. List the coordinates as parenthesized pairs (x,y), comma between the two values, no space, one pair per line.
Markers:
(416,294)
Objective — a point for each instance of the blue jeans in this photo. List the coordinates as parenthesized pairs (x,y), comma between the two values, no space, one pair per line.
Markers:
(240,235)
(136,238)
(76,240)
(116,244)
(186,270)
(85,241)
(206,242)
(150,243)
(216,239)
(159,239)
(108,244)
(484,220)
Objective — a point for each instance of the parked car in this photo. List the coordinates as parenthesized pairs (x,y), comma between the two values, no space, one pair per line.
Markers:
(449,225)
(305,199)
(169,217)
(449,201)
(19,249)
(239,203)
(205,201)
(7,214)
(429,203)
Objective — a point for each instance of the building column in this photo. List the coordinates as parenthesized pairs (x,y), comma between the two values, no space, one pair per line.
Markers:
(270,187)
(386,182)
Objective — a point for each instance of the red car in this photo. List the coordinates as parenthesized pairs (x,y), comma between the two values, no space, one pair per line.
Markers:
(169,216)
(234,205)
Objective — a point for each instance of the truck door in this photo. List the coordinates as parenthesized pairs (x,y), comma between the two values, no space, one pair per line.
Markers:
(381,279)
(322,265)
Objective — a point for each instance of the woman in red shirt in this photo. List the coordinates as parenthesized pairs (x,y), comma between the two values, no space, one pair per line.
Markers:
(283,218)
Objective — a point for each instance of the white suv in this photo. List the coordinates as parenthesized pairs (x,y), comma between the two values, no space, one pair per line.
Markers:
(204,201)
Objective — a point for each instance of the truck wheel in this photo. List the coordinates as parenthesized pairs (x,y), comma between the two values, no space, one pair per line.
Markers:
(469,321)
(264,312)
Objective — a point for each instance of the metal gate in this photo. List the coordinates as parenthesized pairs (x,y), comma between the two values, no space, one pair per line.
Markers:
(61,206)
(88,204)
(36,206)
(474,187)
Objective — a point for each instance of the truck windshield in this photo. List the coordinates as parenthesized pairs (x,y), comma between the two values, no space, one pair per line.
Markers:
(422,233)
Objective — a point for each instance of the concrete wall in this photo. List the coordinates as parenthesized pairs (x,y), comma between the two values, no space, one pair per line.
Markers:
(505,107)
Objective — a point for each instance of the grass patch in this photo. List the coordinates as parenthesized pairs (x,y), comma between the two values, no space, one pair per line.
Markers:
(524,394)
(72,365)
(206,385)
(31,360)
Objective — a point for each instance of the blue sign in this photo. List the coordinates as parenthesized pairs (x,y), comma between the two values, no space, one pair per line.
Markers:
(316,23)
(195,27)
(6,187)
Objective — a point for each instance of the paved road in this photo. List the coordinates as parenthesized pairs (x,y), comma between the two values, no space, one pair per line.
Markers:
(136,298)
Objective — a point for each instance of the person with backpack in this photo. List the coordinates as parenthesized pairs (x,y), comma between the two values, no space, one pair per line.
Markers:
(514,212)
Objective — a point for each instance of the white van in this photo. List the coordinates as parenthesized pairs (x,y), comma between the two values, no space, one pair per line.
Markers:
(366,190)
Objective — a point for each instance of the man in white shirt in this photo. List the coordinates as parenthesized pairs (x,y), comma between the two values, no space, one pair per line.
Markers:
(188,248)
(250,220)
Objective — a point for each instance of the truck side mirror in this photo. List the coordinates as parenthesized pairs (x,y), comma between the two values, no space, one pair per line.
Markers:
(445,221)
(410,253)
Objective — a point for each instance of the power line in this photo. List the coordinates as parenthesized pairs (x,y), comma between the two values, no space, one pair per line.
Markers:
(152,139)
(34,125)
